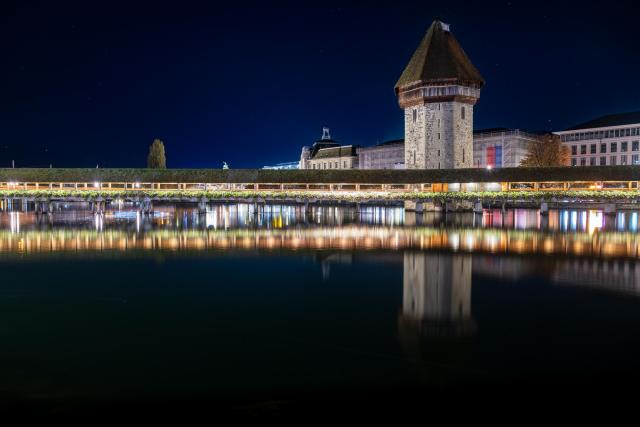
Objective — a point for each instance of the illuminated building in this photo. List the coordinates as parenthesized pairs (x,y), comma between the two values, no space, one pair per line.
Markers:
(606,141)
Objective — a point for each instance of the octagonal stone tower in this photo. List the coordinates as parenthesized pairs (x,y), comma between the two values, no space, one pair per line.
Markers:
(437,91)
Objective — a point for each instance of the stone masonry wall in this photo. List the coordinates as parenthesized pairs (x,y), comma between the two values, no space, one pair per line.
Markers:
(439,138)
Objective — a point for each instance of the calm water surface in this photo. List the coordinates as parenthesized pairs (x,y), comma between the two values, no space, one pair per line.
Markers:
(244,303)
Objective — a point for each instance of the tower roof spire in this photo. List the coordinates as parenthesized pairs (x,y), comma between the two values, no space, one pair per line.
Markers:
(439,58)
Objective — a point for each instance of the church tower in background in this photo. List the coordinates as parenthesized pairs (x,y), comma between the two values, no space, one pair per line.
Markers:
(437,91)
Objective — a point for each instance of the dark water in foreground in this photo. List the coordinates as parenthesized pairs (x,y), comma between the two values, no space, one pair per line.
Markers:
(238,307)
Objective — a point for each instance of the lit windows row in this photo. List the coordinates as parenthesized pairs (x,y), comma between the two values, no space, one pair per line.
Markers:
(613,148)
(611,133)
(329,165)
(602,161)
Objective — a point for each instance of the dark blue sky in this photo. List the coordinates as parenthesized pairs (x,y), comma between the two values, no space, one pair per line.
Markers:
(250,83)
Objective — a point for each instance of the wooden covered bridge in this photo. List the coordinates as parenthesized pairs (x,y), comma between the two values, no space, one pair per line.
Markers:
(455,189)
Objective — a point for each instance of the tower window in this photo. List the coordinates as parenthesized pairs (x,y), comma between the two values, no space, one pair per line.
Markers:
(462,113)
(415,115)
(463,148)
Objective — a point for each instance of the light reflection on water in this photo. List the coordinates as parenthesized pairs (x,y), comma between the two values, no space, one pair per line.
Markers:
(243,226)
(284,274)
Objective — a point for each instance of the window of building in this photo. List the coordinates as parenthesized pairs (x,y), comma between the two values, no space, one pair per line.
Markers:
(592,148)
(583,162)
(623,160)
(462,113)
(345,164)
(612,160)
(415,114)
(574,162)
(634,146)
(583,149)
(438,135)
(574,150)
(635,159)
(614,147)
(592,161)
(603,161)
(438,153)
(463,154)
(623,146)
(603,148)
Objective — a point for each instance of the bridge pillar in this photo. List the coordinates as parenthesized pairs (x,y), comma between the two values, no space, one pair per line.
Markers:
(202,205)
(46,206)
(145,205)
(413,206)
(544,208)
(610,209)
(544,222)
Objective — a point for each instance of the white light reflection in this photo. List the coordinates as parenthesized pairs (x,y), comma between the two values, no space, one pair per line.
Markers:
(595,221)
(14,221)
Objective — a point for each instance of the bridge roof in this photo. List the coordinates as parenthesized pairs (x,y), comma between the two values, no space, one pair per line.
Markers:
(380,176)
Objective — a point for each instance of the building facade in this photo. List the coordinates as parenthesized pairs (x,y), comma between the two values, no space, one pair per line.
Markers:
(501,147)
(387,155)
(327,153)
(606,141)
(437,91)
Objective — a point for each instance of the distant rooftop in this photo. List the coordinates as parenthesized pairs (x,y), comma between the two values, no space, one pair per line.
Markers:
(342,151)
(620,119)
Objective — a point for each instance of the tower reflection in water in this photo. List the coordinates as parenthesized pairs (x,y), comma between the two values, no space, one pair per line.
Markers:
(436,293)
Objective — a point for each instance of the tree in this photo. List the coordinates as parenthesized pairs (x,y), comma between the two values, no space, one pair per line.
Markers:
(547,151)
(156,158)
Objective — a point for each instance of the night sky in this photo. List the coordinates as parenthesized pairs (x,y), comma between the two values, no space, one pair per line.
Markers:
(249,83)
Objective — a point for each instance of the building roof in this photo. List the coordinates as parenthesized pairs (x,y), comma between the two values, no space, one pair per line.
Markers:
(439,57)
(394,143)
(620,119)
(342,151)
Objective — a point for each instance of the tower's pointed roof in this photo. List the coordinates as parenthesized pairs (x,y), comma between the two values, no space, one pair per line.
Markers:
(439,57)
